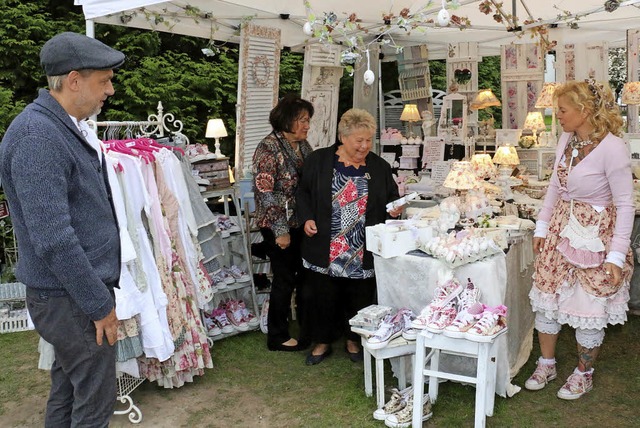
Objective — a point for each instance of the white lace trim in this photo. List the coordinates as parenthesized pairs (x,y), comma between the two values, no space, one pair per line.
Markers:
(615,307)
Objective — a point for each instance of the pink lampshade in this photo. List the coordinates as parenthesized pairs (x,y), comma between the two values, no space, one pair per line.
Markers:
(534,121)
(482,165)
(546,96)
(631,93)
(461,176)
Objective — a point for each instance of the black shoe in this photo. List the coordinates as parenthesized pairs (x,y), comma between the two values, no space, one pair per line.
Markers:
(312,360)
(284,348)
(355,356)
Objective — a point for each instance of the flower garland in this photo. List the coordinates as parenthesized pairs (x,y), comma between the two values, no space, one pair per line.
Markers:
(260,79)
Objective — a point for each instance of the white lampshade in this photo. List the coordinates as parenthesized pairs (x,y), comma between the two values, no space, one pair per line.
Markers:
(546,95)
(215,129)
(461,176)
(410,113)
(534,121)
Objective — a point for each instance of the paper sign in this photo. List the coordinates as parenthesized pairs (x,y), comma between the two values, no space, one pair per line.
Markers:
(439,171)
(433,150)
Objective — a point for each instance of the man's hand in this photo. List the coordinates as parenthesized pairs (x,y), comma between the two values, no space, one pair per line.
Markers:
(310,228)
(283,241)
(107,326)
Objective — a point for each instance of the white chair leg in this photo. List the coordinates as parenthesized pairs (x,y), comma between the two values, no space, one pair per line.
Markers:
(418,380)
(380,381)
(368,378)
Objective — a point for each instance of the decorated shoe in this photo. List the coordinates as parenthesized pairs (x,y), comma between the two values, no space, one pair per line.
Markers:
(220,317)
(402,419)
(541,376)
(441,297)
(492,323)
(578,384)
(213,328)
(390,328)
(442,318)
(238,274)
(227,278)
(247,316)
(465,319)
(397,402)
(218,281)
(264,317)
(469,295)
(235,316)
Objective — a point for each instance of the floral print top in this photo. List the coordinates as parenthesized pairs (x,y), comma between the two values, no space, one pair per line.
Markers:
(276,172)
(350,192)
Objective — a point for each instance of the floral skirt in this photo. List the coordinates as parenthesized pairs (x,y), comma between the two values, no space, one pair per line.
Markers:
(581,298)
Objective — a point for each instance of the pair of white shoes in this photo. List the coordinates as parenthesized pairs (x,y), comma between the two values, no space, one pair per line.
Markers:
(392,326)
(398,411)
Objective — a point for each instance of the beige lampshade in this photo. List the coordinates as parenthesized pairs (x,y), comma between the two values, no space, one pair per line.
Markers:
(506,155)
(410,113)
(483,99)
(631,93)
(534,121)
(546,96)
(482,165)
(215,129)
(461,176)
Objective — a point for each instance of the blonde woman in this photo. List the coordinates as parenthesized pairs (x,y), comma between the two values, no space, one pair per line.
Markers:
(582,236)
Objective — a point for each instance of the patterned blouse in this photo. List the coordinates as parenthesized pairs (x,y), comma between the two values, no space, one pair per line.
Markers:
(276,171)
(350,192)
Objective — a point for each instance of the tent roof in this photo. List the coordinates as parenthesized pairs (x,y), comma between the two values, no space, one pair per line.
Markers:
(220,19)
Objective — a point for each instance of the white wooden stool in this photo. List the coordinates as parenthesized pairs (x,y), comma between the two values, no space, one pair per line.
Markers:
(485,379)
(398,347)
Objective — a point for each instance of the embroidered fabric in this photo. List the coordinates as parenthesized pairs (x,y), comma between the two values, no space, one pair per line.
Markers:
(546,325)
(589,338)
(581,245)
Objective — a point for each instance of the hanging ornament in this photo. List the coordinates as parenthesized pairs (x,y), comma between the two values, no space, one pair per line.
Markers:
(443,16)
(307,28)
(369,77)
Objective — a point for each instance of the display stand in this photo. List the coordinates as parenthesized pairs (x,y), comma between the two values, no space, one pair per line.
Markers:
(126,384)
(230,195)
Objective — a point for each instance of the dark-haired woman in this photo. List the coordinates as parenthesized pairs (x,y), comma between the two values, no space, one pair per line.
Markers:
(277,164)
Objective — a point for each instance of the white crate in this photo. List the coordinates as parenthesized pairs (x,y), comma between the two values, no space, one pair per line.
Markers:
(16,320)
(13,291)
(386,242)
(12,320)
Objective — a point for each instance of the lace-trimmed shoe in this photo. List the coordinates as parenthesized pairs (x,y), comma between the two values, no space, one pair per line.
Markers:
(492,322)
(576,386)
(441,297)
(397,402)
(390,328)
(402,419)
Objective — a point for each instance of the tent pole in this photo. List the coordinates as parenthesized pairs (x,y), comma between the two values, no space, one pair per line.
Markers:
(90,28)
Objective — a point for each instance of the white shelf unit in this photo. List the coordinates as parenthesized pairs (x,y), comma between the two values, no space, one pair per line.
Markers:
(236,249)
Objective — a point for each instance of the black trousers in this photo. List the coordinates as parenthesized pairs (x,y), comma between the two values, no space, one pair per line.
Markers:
(331,302)
(286,266)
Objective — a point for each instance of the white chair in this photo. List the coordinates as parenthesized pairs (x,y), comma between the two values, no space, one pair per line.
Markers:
(398,347)
(484,380)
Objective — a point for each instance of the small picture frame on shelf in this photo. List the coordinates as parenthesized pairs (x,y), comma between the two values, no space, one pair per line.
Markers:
(508,136)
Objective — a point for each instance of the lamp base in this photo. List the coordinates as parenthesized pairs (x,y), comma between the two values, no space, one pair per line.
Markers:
(218,154)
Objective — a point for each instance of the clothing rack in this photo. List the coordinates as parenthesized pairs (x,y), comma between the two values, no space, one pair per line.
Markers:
(155,126)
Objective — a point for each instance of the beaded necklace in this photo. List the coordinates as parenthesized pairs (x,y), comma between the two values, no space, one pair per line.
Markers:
(576,145)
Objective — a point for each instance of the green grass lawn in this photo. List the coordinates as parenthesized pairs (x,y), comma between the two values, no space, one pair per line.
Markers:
(250,386)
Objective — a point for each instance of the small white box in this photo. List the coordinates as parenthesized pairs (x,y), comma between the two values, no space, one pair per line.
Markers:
(411,151)
(408,162)
(371,315)
(395,238)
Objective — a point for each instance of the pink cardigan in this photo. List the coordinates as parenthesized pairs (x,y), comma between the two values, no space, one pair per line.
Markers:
(604,175)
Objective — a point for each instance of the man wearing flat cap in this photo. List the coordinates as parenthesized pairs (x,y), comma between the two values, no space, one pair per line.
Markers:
(55,179)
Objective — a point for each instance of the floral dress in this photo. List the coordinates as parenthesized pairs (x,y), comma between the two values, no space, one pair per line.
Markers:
(582,298)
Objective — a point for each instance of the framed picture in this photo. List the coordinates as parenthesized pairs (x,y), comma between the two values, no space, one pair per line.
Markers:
(508,136)
(545,165)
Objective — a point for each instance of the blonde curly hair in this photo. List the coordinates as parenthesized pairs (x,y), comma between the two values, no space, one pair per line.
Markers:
(355,119)
(598,100)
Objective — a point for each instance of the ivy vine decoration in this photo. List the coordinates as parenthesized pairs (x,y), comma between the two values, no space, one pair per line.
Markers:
(260,70)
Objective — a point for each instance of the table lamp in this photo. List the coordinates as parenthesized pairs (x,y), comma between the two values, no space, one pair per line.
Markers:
(535,123)
(507,158)
(545,100)
(483,166)
(216,129)
(631,96)
(461,178)
(483,99)
(410,114)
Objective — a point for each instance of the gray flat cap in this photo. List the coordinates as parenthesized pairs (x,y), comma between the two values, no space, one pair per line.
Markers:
(68,51)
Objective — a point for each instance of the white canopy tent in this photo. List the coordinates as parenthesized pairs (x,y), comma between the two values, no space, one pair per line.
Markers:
(574,21)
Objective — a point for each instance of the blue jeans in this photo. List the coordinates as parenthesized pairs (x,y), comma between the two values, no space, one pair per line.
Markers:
(83,375)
